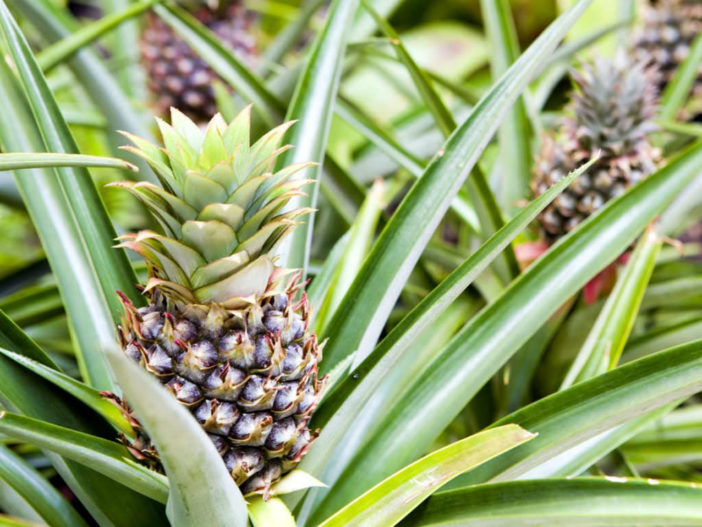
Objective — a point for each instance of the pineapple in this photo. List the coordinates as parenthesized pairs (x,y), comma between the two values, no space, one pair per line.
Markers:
(176,75)
(610,112)
(665,39)
(225,329)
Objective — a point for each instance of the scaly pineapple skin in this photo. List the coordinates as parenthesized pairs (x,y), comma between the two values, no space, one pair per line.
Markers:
(608,178)
(665,40)
(248,376)
(176,75)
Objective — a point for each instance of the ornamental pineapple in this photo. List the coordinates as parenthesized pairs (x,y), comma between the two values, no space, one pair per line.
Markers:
(176,76)
(664,41)
(610,112)
(225,329)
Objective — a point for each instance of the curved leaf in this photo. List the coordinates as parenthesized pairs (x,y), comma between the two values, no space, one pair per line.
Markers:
(359,240)
(663,337)
(415,166)
(566,419)
(55,23)
(395,497)
(33,304)
(77,389)
(289,36)
(582,501)
(17,161)
(608,336)
(107,501)
(678,89)
(312,105)
(108,457)
(432,100)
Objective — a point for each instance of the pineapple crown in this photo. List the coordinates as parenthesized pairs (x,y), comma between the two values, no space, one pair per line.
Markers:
(613,104)
(220,207)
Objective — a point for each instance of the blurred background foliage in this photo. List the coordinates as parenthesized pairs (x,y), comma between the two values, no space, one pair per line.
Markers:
(445,38)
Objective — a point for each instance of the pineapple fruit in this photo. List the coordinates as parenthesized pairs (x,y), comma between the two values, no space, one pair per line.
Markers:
(225,329)
(176,76)
(610,112)
(664,41)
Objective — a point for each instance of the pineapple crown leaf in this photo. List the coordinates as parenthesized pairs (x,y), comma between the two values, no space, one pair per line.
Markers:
(221,207)
(613,103)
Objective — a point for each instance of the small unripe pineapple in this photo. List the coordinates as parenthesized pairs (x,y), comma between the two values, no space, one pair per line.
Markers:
(610,113)
(226,330)
(664,41)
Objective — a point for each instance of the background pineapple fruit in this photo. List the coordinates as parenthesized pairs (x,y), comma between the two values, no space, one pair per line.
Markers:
(610,112)
(176,76)
(225,329)
(664,41)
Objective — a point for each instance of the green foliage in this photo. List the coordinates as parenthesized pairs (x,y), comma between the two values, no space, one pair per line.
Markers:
(470,380)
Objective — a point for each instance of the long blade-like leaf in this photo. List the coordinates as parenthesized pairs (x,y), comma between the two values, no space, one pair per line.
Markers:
(576,460)
(392,499)
(312,106)
(568,418)
(608,336)
(12,337)
(442,115)
(663,337)
(108,457)
(289,36)
(21,389)
(123,44)
(514,161)
(415,166)
(77,389)
(360,238)
(17,161)
(582,501)
(94,270)
(361,316)
(678,89)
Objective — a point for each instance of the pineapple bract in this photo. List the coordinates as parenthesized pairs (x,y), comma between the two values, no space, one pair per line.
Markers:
(225,329)
(176,75)
(611,112)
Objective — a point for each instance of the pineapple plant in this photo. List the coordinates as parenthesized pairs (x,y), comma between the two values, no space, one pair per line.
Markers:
(611,112)
(664,41)
(224,329)
(176,75)
(199,397)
